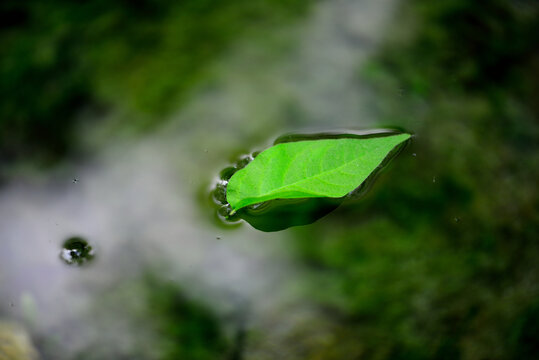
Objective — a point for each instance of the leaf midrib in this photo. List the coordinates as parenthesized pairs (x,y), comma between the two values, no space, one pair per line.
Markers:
(310,178)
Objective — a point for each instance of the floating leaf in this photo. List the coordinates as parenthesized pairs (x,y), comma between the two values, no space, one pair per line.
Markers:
(307,169)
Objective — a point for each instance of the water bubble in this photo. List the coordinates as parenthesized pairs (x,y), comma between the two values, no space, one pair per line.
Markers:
(218,237)
(457,219)
(414,154)
(434,179)
(75,180)
(225,211)
(76,251)
(227,173)
(244,161)
(219,192)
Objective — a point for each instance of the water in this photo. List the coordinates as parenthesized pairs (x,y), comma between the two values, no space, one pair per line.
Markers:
(136,201)
(393,273)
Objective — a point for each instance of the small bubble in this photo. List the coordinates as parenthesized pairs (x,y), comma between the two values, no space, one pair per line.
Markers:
(244,161)
(76,251)
(75,180)
(434,179)
(219,192)
(414,154)
(457,219)
(225,210)
(227,173)
(218,237)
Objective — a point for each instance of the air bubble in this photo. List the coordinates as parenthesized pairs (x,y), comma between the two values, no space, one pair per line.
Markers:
(76,251)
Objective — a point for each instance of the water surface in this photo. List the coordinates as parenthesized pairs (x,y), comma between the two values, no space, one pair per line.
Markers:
(136,202)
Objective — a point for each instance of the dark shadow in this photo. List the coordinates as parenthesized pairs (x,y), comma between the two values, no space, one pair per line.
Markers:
(284,213)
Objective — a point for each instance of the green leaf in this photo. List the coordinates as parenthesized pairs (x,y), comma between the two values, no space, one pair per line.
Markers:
(311,168)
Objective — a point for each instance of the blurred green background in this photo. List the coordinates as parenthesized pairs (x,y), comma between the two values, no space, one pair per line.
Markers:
(440,260)
(62,57)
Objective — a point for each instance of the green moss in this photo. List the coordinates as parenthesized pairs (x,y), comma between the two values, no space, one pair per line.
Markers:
(143,57)
(188,330)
